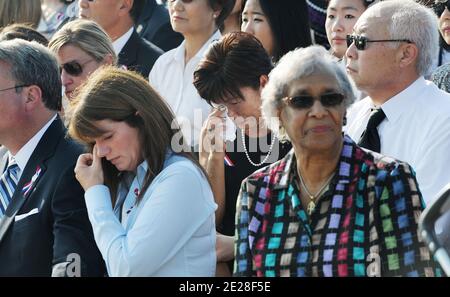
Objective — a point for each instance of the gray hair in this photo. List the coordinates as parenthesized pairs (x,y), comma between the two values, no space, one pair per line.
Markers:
(409,20)
(33,64)
(86,35)
(296,64)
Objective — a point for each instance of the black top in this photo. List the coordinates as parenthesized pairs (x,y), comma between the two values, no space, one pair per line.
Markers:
(139,55)
(242,168)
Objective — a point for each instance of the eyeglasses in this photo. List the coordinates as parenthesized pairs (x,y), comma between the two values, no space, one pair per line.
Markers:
(440,6)
(328,100)
(73,67)
(15,87)
(361,41)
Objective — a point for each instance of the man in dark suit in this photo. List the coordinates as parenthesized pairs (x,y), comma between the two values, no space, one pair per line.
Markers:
(44,226)
(117,18)
(154,25)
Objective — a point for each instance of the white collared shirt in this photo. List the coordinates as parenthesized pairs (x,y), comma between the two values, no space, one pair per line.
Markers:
(25,152)
(173,80)
(120,42)
(416,130)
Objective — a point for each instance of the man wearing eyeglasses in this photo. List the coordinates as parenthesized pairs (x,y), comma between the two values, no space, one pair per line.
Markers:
(117,18)
(44,226)
(404,116)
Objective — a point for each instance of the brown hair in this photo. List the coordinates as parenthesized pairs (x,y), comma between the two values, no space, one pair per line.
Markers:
(20,11)
(124,96)
(22,31)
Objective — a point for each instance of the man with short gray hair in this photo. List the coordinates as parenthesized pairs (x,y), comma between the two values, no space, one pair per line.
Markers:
(44,226)
(404,116)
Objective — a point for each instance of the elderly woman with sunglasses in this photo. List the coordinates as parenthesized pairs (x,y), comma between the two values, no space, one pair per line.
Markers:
(441,76)
(81,47)
(329,208)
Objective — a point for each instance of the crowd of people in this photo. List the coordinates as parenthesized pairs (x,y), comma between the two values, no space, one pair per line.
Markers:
(222,137)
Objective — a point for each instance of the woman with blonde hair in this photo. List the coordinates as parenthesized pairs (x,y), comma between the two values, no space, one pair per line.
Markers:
(20,11)
(149,201)
(81,47)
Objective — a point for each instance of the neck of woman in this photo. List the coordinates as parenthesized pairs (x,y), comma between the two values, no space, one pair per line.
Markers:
(316,166)
(256,129)
(194,42)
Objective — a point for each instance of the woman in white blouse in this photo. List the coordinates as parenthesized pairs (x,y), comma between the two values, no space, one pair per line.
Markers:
(150,204)
(172,74)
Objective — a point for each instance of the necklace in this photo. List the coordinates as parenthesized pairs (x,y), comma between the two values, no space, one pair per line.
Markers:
(313,197)
(268,153)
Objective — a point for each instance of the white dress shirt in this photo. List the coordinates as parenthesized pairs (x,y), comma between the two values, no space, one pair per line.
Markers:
(416,130)
(120,42)
(25,152)
(172,79)
(171,232)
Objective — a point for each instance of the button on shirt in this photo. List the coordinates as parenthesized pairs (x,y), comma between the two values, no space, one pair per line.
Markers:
(172,79)
(171,232)
(416,130)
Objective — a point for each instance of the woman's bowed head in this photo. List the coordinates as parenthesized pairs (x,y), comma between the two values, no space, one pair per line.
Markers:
(115,113)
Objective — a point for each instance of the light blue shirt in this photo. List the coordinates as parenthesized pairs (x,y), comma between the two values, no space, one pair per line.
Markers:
(171,232)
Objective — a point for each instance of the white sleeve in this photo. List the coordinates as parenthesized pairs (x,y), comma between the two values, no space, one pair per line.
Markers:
(178,204)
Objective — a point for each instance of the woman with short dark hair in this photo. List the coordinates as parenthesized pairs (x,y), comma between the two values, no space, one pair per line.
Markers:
(231,77)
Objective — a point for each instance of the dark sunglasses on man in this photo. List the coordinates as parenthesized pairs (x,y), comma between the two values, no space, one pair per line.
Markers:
(440,5)
(328,100)
(73,68)
(362,41)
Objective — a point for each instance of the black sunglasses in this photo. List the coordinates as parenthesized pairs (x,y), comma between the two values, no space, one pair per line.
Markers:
(73,67)
(361,41)
(439,7)
(307,101)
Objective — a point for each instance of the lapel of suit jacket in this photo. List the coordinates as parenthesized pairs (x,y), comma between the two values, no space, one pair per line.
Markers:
(43,151)
(128,55)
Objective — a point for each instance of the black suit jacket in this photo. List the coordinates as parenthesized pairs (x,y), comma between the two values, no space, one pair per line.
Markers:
(47,226)
(139,55)
(154,25)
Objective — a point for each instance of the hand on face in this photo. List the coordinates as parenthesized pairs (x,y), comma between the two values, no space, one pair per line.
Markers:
(212,135)
(88,170)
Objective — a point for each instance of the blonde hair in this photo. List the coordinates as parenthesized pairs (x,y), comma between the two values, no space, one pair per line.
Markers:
(86,35)
(20,11)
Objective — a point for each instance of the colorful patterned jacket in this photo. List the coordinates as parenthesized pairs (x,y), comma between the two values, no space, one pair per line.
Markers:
(365,224)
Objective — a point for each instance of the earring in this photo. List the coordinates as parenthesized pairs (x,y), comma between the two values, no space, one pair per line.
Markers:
(344,121)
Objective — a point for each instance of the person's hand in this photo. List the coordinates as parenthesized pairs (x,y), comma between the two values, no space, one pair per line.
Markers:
(224,247)
(212,143)
(88,170)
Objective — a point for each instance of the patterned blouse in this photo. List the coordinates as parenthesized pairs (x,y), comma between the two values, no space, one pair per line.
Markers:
(365,224)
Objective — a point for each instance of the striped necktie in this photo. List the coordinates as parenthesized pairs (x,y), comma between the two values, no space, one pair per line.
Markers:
(8,184)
